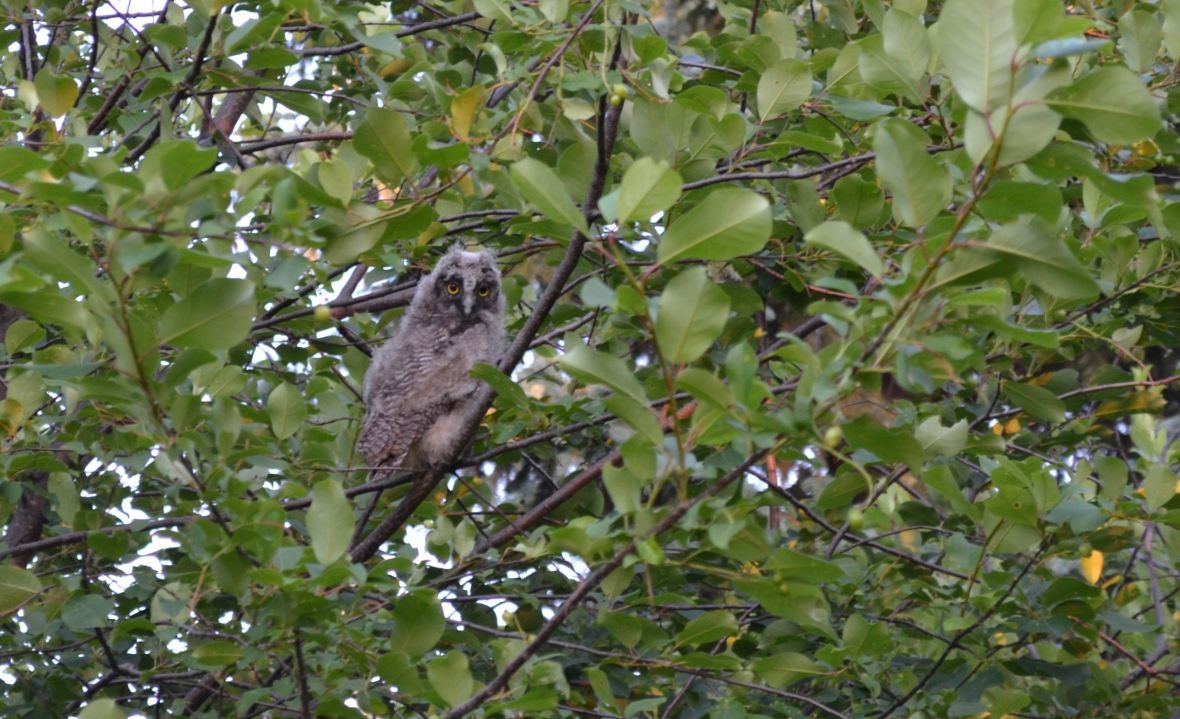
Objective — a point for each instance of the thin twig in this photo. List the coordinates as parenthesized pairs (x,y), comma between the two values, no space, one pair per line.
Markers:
(404,32)
(253,146)
(954,643)
(590,583)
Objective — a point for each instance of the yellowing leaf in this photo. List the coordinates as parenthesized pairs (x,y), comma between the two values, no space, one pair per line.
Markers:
(463,111)
(57,94)
(1134,403)
(1091,566)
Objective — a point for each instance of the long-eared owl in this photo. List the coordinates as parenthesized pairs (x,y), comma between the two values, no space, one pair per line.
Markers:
(418,386)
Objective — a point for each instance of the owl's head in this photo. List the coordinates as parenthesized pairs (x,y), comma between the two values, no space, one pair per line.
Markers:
(466,285)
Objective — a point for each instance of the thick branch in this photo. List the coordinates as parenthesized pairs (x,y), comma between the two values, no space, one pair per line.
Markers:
(75,537)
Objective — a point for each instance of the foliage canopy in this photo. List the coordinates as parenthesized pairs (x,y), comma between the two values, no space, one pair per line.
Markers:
(843,380)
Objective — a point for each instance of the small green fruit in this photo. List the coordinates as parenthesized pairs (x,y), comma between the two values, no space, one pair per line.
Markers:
(833,435)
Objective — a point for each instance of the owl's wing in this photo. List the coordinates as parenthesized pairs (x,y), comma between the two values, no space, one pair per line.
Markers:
(390,429)
(403,401)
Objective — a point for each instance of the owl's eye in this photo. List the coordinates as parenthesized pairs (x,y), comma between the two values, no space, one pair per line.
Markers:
(453,288)
(484,291)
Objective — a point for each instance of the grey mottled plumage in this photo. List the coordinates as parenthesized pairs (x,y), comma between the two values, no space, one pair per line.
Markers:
(417,388)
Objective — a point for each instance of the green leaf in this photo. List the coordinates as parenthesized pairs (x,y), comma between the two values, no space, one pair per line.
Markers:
(384,139)
(87,611)
(802,603)
(864,638)
(217,315)
(495,10)
(1006,201)
(1043,259)
(218,653)
(842,238)
(398,669)
(906,44)
(16,162)
(1028,125)
(626,629)
(709,627)
(287,409)
(885,75)
(858,201)
(693,311)
(976,42)
(179,161)
(330,521)
(1139,37)
(728,223)
(542,187)
(921,187)
(650,551)
(1171,27)
(789,564)
(940,441)
(450,676)
(1014,503)
(841,490)
(418,622)
(1112,103)
(783,87)
(1112,477)
(335,176)
(1159,486)
(1037,401)
(102,709)
(639,416)
(554,10)
(1036,20)
(353,231)
(56,94)
(940,479)
(600,368)
(779,27)
(17,585)
(48,252)
(506,389)
(65,496)
(170,604)
(888,444)
(649,186)
(782,670)
(1048,339)
(601,686)
(706,386)
(625,490)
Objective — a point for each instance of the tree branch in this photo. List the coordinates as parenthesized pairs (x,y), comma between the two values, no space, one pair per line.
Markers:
(954,643)
(73,537)
(404,32)
(591,582)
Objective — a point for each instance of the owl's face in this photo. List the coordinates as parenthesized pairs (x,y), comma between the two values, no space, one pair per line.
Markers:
(467,285)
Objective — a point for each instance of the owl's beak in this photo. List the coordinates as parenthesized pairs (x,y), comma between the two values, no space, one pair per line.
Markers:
(468,303)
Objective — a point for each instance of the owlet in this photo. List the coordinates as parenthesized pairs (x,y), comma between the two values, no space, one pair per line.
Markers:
(417,388)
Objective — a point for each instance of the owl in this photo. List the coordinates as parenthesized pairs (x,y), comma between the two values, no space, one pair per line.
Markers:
(417,388)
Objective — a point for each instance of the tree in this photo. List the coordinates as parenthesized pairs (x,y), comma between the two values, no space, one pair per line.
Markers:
(843,378)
